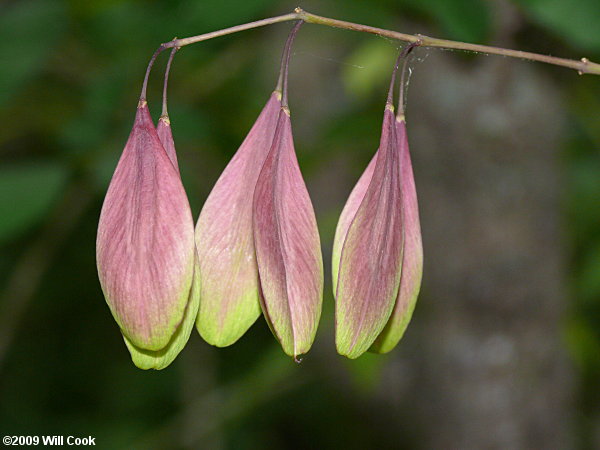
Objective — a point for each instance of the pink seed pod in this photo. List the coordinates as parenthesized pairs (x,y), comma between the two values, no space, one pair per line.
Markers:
(145,247)
(377,255)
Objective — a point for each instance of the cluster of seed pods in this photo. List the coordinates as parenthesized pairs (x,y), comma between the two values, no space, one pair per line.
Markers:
(255,248)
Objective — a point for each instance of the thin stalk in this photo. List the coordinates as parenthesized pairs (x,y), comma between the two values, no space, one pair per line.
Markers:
(583,65)
(405,51)
(231,30)
(285,64)
(389,104)
(165,113)
(400,112)
(285,57)
(148,69)
(404,55)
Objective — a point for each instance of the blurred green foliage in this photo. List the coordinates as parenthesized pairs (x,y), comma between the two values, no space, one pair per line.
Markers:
(31,32)
(575,22)
(26,194)
(70,78)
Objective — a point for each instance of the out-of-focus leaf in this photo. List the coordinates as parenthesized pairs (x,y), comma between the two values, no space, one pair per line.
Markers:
(209,16)
(87,131)
(584,188)
(368,68)
(583,343)
(585,107)
(26,194)
(29,32)
(576,22)
(377,13)
(463,20)
(589,278)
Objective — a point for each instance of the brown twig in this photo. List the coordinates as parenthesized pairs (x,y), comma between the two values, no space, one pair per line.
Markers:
(582,66)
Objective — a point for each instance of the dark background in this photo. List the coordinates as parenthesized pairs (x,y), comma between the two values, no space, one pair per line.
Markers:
(504,347)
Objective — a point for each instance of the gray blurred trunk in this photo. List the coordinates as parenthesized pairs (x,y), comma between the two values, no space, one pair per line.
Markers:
(482,365)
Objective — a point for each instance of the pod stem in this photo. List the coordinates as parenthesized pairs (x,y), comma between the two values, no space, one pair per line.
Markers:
(282,82)
(403,79)
(402,56)
(165,112)
(158,51)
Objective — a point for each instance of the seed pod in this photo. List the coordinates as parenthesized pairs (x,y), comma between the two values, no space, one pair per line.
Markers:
(377,254)
(288,249)
(370,259)
(145,243)
(147,359)
(412,257)
(228,272)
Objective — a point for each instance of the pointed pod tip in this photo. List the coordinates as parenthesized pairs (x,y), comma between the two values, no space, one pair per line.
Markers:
(348,353)
(229,333)
(379,348)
